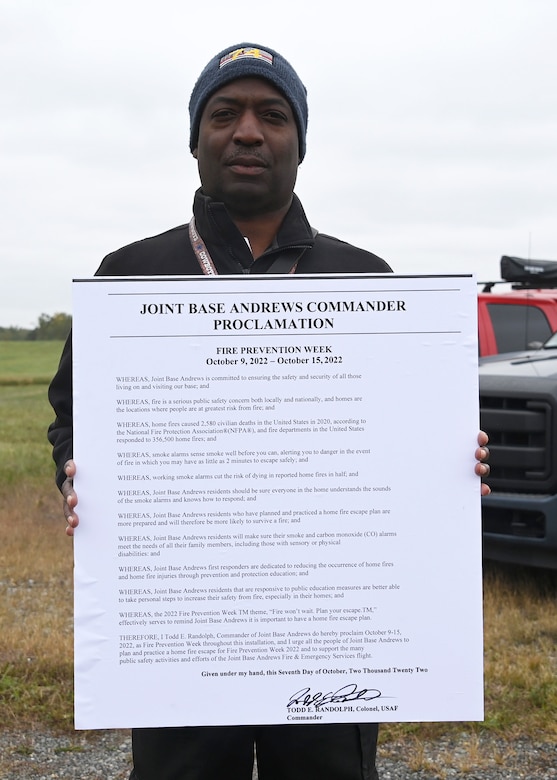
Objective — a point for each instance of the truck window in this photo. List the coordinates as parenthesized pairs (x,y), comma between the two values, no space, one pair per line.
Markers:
(516,327)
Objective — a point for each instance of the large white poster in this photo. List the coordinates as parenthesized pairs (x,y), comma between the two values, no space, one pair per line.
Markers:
(280,520)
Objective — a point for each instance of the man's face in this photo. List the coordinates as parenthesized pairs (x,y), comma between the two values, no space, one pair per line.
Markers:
(247,150)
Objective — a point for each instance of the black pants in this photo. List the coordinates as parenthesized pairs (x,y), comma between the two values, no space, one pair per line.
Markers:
(297,752)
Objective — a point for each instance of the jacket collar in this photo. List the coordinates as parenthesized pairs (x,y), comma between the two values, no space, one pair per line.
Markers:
(228,247)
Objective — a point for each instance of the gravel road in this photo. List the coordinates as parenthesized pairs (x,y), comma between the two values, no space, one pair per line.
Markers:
(107,756)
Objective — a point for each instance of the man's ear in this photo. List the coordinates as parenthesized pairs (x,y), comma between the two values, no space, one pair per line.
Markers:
(194,153)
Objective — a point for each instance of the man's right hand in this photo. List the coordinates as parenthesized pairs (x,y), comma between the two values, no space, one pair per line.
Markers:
(70,498)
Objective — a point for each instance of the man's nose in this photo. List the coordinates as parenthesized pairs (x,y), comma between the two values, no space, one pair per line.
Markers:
(248,130)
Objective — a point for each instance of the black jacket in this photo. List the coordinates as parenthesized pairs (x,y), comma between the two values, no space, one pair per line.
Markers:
(170,253)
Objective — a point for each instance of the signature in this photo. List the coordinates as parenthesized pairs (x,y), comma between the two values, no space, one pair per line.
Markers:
(350,692)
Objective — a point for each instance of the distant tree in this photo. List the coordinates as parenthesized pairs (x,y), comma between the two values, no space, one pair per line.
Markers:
(52,327)
(14,334)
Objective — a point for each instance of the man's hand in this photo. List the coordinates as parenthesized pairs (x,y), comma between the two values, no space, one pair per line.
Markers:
(70,498)
(482,454)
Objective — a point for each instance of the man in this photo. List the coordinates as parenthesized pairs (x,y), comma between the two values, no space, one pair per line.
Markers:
(248,114)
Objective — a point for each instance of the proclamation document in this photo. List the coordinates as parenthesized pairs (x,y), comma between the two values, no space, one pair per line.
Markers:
(279,516)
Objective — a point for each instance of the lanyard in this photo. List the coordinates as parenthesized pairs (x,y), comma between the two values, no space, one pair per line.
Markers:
(201,252)
(281,265)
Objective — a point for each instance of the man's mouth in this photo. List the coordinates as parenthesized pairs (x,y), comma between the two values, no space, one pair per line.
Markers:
(247,165)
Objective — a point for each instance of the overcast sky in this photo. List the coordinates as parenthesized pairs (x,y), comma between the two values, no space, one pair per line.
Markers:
(432,136)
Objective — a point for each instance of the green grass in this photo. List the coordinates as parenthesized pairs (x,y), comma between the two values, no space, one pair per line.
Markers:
(35,555)
(26,368)
(25,454)
(28,362)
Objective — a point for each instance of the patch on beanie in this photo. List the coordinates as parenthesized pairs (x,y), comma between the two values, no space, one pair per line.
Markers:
(246,53)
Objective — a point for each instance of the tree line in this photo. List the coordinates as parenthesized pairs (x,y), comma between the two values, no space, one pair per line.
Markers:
(50,327)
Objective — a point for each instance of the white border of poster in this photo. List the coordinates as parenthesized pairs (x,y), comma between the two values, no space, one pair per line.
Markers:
(279,516)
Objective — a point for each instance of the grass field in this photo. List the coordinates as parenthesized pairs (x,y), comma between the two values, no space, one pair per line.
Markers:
(25,370)
(28,362)
(36,587)
(35,555)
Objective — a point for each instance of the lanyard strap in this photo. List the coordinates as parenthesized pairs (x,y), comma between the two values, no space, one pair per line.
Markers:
(201,252)
(282,264)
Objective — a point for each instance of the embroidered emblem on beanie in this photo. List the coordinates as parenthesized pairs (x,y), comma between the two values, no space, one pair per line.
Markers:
(239,54)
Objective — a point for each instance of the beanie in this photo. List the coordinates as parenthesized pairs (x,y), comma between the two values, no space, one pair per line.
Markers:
(249,59)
